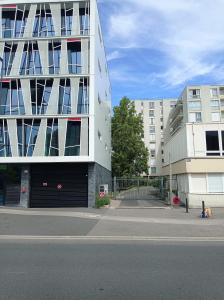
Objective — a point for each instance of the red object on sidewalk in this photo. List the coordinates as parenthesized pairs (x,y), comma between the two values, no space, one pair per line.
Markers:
(176,200)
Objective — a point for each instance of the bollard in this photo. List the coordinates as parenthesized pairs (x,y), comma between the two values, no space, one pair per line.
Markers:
(187,206)
(203,210)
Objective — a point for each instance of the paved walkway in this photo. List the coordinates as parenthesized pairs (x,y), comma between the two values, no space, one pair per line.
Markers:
(130,223)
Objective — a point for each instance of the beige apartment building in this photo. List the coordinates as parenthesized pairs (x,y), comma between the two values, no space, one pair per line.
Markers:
(155,117)
(194,145)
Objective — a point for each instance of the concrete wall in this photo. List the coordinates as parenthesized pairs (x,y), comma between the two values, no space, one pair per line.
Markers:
(97,175)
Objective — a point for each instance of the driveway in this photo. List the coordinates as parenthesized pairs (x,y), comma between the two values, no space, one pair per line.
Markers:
(141,197)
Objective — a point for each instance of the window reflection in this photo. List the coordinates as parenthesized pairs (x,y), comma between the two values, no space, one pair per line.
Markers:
(72,147)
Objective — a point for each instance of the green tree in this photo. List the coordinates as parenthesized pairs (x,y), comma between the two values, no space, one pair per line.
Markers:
(129,156)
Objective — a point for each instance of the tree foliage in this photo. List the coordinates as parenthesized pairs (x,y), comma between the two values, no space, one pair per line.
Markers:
(129,156)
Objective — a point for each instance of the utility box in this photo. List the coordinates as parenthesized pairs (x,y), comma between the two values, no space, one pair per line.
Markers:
(103,188)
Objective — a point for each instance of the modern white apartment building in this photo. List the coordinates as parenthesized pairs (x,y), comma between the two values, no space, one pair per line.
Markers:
(55,104)
(155,117)
(194,145)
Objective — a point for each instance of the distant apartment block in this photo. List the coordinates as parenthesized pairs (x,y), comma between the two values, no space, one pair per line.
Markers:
(155,117)
(194,145)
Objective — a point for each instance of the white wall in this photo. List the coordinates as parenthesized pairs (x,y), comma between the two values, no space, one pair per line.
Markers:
(176,148)
(100,115)
(197,139)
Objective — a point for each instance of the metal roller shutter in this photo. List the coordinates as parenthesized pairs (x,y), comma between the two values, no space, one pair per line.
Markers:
(59,185)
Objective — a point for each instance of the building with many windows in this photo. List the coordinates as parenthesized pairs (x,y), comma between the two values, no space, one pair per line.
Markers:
(155,117)
(194,145)
(55,104)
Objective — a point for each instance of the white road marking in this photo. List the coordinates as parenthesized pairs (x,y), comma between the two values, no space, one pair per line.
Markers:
(111,238)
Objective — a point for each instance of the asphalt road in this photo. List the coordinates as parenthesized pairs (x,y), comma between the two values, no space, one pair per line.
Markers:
(57,270)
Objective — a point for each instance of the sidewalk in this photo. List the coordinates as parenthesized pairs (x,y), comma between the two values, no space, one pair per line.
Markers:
(172,222)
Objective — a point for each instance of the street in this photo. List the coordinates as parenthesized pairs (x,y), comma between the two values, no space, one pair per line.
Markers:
(111,270)
(110,254)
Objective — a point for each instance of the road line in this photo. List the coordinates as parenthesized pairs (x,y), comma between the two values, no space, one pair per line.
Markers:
(111,238)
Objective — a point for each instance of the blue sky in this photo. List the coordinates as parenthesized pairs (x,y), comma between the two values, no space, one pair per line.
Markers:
(156,47)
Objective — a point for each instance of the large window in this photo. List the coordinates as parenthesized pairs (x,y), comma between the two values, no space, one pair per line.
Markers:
(215,117)
(31,63)
(51,146)
(74,57)
(43,24)
(195,117)
(214,104)
(8,57)
(151,113)
(5,148)
(12,99)
(212,143)
(14,21)
(152,129)
(194,105)
(40,95)
(64,103)
(54,57)
(84,19)
(215,183)
(214,92)
(66,19)
(72,147)
(194,93)
(83,100)
(27,131)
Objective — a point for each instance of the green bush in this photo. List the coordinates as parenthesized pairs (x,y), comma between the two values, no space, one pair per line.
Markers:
(100,202)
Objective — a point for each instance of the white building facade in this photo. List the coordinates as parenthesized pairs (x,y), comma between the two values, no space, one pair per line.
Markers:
(55,104)
(155,115)
(194,146)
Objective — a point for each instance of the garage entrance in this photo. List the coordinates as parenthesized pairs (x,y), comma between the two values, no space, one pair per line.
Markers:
(59,185)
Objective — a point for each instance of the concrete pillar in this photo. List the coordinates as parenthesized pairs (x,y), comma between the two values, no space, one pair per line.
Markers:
(91,185)
(25,186)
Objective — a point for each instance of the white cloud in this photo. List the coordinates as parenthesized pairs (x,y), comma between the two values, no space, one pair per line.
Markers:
(188,33)
(113,55)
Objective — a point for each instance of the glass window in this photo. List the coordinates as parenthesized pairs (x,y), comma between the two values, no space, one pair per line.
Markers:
(151,113)
(8,57)
(64,103)
(214,103)
(215,183)
(51,146)
(74,57)
(151,121)
(54,57)
(8,21)
(214,92)
(152,153)
(27,131)
(152,137)
(31,63)
(83,100)
(151,105)
(12,99)
(84,20)
(153,170)
(43,23)
(152,129)
(5,147)
(66,19)
(194,93)
(195,117)
(21,19)
(215,117)
(212,142)
(40,95)
(194,105)
(72,147)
